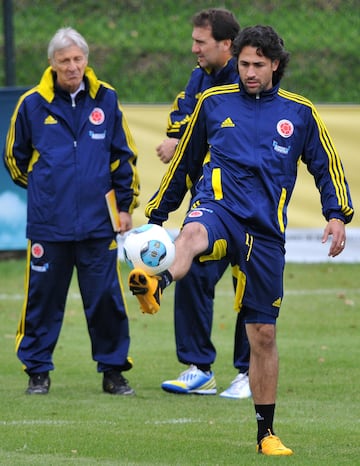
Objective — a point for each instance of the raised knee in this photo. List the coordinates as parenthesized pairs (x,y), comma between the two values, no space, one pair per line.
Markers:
(194,235)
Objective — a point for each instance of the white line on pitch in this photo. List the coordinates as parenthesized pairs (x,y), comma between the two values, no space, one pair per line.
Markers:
(325,291)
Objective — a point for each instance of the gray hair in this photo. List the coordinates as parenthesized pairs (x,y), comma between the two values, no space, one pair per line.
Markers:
(65,37)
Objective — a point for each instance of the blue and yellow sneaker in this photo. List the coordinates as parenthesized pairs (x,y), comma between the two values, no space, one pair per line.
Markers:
(193,380)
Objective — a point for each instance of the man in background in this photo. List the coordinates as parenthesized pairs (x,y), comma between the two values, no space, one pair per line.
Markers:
(213,32)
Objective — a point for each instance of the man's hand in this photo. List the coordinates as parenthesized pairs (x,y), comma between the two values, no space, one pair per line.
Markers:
(166,149)
(336,229)
(125,222)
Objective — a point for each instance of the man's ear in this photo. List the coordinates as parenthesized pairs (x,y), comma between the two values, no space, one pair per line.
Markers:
(275,64)
(227,44)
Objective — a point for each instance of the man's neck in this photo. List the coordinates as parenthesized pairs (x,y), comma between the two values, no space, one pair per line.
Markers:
(80,88)
(219,67)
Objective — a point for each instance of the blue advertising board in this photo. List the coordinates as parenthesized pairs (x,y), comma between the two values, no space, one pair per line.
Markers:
(12,197)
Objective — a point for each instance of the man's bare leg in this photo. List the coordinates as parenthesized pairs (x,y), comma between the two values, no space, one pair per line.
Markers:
(263,376)
(264,362)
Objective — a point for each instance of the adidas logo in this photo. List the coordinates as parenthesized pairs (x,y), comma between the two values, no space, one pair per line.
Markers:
(277,302)
(50,120)
(113,245)
(228,123)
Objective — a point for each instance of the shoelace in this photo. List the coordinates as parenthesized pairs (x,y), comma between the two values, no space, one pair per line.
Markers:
(240,379)
(39,379)
(274,439)
(117,378)
(189,374)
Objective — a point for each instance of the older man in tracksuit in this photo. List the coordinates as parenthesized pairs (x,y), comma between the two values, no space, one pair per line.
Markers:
(69,144)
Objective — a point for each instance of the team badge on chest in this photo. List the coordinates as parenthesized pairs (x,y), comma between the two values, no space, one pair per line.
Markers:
(97,116)
(285,128)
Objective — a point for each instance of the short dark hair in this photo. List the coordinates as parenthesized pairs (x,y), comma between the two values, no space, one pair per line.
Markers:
(222,22)
(268,43)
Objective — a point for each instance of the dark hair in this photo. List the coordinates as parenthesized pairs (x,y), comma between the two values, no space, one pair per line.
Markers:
(223,23)
(268,43)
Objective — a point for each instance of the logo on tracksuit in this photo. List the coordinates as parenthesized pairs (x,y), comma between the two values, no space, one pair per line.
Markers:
(37,250)
(97,116)
(285,128)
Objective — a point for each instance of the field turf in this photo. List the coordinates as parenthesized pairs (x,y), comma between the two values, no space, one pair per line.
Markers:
(318,408)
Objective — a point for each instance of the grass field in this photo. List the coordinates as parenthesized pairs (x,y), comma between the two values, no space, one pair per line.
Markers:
(318,408)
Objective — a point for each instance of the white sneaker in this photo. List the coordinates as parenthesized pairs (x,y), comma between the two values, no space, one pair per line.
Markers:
(239,388)
(193,380)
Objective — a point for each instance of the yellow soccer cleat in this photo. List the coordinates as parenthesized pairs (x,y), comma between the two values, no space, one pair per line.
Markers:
(147,290)
(271,445)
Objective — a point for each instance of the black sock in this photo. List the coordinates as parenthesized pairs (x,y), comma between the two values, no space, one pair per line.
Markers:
(203,367)
(166,279)
(265,418)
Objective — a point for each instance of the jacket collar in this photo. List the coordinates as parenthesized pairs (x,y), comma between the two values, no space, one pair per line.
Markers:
(265,94)
(229,65)
(46,86)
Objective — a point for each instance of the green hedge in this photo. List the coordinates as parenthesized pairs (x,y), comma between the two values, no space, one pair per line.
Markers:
(144,47)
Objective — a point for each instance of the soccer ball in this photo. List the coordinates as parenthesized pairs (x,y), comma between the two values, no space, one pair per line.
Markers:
(149,248)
